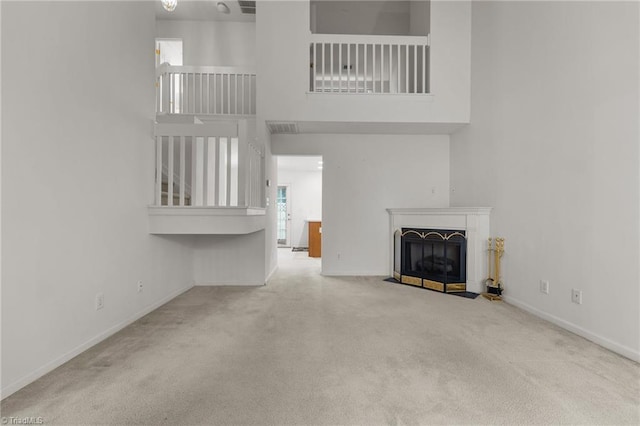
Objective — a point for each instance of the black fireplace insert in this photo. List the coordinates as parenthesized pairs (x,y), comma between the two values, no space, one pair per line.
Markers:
(431,258)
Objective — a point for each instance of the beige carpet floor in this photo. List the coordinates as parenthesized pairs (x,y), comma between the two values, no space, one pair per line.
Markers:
(307,349)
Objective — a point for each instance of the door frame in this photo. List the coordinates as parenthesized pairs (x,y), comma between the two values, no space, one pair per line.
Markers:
(287,242)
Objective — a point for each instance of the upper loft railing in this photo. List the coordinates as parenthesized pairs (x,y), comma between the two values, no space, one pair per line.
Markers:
(356,64)
(205,90)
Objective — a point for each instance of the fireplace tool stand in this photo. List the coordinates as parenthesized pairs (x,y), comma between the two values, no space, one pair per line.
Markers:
(494,283)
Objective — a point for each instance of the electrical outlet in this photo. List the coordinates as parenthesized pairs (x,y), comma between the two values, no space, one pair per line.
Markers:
(99,301)
(576,296)
(544,286)
(139,286)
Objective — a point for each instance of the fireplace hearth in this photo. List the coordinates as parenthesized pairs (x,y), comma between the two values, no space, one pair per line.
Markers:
(431,258)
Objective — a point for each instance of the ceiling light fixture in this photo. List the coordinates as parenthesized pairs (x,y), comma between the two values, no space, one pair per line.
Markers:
(222,8)
(169,5)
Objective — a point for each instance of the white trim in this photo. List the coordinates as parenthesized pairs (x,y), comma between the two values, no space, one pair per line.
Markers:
(602,341)
(442,210)
(369,39)
(205,211)
(223,128)
(50,366)
(200,69)
(223,284)
(354,273)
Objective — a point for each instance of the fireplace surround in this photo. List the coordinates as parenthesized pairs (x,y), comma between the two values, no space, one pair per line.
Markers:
(473,221)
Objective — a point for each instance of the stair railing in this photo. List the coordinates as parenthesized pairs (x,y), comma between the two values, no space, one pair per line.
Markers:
(214,164)
(358,64)
(205,90)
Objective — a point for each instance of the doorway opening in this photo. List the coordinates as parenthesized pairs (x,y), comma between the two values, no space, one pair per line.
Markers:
(284,216)
(299,204)
(169,50)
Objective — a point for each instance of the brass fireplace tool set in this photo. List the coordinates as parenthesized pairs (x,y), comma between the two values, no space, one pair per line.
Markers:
(494,283)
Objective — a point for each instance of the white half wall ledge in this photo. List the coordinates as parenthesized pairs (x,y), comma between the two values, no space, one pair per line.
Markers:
(206,220)
(475,221)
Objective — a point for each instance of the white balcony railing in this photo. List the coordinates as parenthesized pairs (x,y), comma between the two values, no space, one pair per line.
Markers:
(208,165)
(205,90)
(369,64)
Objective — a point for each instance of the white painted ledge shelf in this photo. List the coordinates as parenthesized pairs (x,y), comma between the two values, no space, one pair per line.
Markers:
(191,220)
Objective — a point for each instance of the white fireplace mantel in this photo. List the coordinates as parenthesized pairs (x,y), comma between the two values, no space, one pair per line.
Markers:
(473,220)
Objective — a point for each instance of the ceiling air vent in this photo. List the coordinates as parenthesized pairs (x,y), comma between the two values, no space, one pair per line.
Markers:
(247,7)
(280,127)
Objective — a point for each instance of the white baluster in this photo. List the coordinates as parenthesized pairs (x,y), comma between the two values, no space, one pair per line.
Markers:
(182,170)
(340,89)
(357,45)
(415,68)
(158,170)
(323,67)
(399,90)
(373,67)
(208,93)
(331,53)
(205,171)
(216,172)
(236,92)
(314,64)
(366,48)
(199,168)
(212,198)
(406,67)
(228,93)
(228,170)
(170,173)
(381,68)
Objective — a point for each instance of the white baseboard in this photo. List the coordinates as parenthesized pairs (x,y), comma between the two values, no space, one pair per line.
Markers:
(35,375)
(223,284)
(602,341)
(382,274)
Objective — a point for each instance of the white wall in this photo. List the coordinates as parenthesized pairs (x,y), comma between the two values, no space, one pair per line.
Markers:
(386,17)
(305,196)
(283,38)
(77,176)
(214,43)
(362,176)
(229,259)
(553,147)
(420,17)
(263,106)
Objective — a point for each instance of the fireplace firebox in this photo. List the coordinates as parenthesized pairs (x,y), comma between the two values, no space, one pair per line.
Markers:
(431,258)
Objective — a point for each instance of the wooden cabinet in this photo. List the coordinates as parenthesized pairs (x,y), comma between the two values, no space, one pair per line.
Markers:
(315,239)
